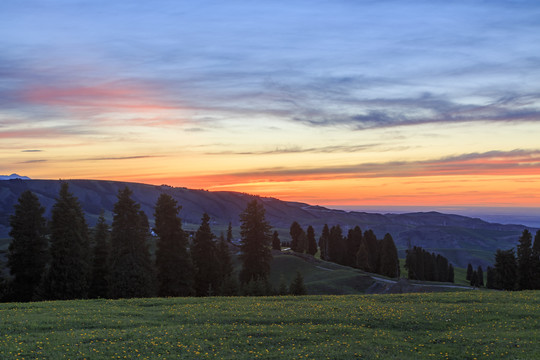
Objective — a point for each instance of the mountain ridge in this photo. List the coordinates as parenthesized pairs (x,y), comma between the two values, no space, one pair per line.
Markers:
(460,238)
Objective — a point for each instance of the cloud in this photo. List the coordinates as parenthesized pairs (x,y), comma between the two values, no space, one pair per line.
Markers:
(298,149)
(32,161)
(31,151)
(516,162)
(120,158)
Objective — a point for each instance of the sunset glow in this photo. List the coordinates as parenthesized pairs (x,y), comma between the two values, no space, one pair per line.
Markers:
(326,104)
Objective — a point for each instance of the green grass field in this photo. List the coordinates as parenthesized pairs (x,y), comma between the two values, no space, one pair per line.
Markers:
(467,325)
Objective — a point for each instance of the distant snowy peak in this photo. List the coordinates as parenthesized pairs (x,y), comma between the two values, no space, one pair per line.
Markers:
(13,176)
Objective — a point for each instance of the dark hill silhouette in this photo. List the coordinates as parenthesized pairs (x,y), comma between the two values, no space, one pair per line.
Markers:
(459,238)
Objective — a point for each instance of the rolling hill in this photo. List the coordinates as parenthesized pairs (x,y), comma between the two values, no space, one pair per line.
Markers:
(461,239)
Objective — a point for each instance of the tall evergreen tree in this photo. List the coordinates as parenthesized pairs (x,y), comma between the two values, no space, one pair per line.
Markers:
(525,261)
(207,266)
(224,259)
(450,273)
(100,263)
(480,276)
(535,283)
(229,233)
(131,270)
(311,242)
(372,247)
(296,232)
(389,261)
(68,276)
(174,269)
(469,272)
(536,244)
(354,239)
(362,257)
(276,242)
(27,253)
(474,279)
(336,245)
(323,242)
(256,254)
(505,270)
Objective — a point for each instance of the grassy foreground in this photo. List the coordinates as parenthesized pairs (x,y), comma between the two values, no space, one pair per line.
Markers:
(467,325)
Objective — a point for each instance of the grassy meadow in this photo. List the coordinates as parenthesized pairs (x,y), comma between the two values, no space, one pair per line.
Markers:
(456,325)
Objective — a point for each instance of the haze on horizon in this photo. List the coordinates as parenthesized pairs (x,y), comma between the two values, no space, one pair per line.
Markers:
(387,103)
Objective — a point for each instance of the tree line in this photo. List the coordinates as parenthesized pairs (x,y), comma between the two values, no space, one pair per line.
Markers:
(517,269)
(426,266)
(62,259)
(359,250)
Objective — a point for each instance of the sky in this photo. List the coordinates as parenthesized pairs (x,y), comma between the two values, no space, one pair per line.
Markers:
(336,103)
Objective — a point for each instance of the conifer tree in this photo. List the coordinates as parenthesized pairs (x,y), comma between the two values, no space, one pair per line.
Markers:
(256,253)
(525,261)
(480,276)
(297,286)
(336,245)
(474,279)
(68,275)
(174,268)
(362,257)
(296,232)
(469,272)
(450,273)
(536,244)
(282,288)
(311,242)
(535,265)
(323,242)
(354,239)
(229,233)
(131,270)
(505,270)
(205,259)
(100,263)
(224,258)
(27,252)
(372,247)
(389,261)
(276,242)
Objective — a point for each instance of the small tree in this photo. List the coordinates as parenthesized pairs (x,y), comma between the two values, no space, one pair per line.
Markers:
(480,276)
(311,242)
(469,271)
(297,286)
(474,279)
(450,273)
(100,265)
(323,242)
(276,242)
(27,253)
(296,232)
(389,261)
(229,233)
(256,253)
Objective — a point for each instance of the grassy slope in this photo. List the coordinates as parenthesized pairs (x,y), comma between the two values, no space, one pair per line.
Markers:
(478,324)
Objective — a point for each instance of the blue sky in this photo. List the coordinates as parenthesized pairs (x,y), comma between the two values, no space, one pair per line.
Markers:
(217,89)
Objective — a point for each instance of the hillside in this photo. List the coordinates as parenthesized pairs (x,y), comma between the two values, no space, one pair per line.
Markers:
(461,239)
